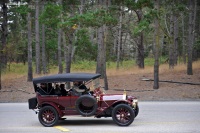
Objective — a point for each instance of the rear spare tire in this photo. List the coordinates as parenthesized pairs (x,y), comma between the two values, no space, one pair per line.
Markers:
(86,105)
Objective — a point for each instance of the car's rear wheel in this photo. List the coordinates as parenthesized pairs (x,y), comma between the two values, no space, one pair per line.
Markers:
(48,116)
(123,115)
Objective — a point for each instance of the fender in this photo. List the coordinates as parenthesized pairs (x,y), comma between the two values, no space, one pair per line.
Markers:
(100,110)
(53,105)
(121,101)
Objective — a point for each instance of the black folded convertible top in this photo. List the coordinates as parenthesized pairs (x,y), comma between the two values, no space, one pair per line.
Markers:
(66,77)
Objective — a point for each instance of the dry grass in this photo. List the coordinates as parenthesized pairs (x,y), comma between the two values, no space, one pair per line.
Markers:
(164,68)
(125,78)
(6,77)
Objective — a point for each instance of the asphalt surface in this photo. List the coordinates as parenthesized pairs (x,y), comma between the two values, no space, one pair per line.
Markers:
(154,117)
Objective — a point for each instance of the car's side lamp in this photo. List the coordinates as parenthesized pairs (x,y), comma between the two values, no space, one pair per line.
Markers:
(98,98)
(124,95)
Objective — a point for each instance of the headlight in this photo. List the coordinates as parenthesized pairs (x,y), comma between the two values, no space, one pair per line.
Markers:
(135,101)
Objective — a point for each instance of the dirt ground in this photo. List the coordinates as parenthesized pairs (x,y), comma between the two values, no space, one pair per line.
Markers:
(19,90)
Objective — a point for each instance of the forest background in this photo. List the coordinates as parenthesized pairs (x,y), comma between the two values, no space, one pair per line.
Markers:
(61,36)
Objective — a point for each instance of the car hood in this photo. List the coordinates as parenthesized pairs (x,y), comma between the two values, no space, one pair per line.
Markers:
(113,97)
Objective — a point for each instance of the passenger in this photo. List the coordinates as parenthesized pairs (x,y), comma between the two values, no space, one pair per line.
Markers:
(57,90)
(63,91)
(50,89)
(43,89)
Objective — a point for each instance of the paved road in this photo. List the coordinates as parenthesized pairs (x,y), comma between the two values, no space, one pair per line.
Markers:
(154,117)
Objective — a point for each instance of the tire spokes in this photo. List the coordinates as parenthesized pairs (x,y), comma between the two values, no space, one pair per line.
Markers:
(48,116)
(123,115)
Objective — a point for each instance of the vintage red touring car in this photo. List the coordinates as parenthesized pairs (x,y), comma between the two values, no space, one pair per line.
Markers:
(53,100)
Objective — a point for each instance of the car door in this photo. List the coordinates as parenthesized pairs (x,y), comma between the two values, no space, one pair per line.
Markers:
(73,101)
(64,101)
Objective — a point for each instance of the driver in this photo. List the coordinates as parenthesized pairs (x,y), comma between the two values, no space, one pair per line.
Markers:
(79,86)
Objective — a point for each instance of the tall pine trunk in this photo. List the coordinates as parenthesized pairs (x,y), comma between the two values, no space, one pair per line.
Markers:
(190,37)
(176,31)
(37,38)
(60,67)
(156,51)
(70,38)
(183,40)
(44,62)
(30,69)
(140,44)
(4,35)
(171,41)
(101,56)
(119,38)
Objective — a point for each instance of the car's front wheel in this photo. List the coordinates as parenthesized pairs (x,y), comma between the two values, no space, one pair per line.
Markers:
(136,110)
(123,115)
(48,116)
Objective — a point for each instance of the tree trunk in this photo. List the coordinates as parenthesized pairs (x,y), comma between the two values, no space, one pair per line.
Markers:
(190,37)
(140,53)
(70,36)
(176,31)
(69,53)
(65,47)
(171,43)
(4,35)
(156,56)
(119,38)
(101,56)
(140,45)
(183,40)
(66,56)
(30,69)
(44,62)
(194,31)
(60,67)
(37,38)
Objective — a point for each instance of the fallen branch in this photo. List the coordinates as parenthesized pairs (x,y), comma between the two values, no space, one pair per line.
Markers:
(170,81)
(16,91)
(24,91)
(132,90)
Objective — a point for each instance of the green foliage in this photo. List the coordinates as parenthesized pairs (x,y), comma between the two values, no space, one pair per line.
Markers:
(125,64)
(146,17)
(197,45)
(83,65)
(132,5)
(17,68)
(51,15)
(23,10)
(91,19)
(85,49)
(150,61)
(143,25)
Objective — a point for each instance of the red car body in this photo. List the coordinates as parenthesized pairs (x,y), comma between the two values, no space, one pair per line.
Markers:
(51,108)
